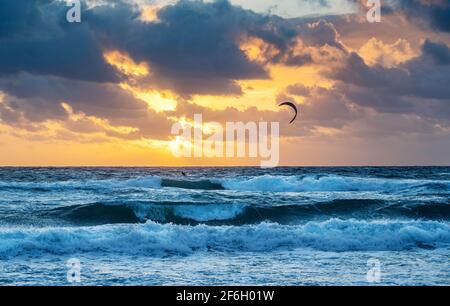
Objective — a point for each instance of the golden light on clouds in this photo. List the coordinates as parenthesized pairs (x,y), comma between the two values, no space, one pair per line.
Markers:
(388,55)
(81,135)
(110,122)
(158,100)
(125,64)
(264,94)
(149,13)
(102,124)
(257,49)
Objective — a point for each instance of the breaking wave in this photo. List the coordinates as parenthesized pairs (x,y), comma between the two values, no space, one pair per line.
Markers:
(316,183)
(152,239)
(238,214)
(99,213)
(265,183)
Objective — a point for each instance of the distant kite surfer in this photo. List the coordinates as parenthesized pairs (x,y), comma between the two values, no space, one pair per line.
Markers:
(293,106)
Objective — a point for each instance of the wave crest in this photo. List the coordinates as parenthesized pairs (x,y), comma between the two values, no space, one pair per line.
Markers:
(237,214)
(317,183)
(264,183)
(152,239)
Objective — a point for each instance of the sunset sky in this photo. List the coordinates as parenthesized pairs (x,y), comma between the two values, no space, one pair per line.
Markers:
(106,91)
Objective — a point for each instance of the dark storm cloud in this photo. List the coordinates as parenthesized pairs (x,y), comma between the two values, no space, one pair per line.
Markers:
(74,55)
(435,13)
(35,39)
(438,51)
(21,17)
(192,49)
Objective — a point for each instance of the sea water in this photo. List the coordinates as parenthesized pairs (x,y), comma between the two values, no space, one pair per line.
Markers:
(225,226)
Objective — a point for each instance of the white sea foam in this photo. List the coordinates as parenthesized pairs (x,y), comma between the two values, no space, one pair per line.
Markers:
(265,183)
(213,212)
(152,239)
(271,183)
(140,182)
(199,213)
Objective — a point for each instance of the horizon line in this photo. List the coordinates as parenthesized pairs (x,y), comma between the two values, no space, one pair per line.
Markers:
(219,166)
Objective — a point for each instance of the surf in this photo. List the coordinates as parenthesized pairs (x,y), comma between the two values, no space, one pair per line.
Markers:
(154,239)
(240,214)
(262,183)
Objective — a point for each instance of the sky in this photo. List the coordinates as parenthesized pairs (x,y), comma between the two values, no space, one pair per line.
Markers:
(106,91)
(288,8)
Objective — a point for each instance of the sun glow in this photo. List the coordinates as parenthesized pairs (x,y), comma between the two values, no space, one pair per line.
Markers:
(159,101)
(264,94)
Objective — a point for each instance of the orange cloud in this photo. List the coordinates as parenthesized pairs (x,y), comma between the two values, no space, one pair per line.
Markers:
(257,49)
(158,100)
(125,64)
(387,55)
(149,13)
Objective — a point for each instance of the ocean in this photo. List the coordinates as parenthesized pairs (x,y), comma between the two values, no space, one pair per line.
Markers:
(225,226)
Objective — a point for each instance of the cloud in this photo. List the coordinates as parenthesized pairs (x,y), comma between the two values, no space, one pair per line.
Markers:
(195,47)
(20,18)
(417,86)
(356,71)
(52,71)
(440,52)
(299,90)
(34,39)
(321,33)
(35,99)
(192,47)
(75,55)
(323,109)
(436,13)
(388,55)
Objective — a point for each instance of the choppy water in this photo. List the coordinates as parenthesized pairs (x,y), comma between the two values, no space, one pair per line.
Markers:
(225,226)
